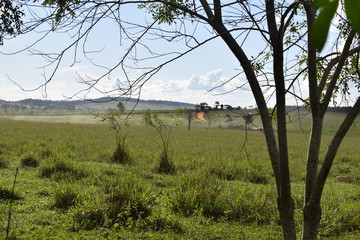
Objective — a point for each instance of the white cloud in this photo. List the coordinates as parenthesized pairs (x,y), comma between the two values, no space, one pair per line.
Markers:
(209,80)
(72,69)
(196,90)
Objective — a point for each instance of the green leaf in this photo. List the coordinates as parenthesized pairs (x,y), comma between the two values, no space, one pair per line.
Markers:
(320,3)
(352,8)
(322,23)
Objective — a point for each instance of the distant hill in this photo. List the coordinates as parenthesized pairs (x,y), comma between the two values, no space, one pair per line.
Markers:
(99,104)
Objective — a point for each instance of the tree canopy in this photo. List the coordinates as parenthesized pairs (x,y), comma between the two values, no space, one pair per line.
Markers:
(10,18)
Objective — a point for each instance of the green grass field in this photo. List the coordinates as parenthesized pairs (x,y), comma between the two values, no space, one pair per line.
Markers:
(67,187)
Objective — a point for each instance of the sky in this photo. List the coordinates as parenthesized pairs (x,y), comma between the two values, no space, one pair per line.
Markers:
(188,79)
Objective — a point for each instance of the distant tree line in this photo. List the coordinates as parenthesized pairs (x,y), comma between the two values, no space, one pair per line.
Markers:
(203,107)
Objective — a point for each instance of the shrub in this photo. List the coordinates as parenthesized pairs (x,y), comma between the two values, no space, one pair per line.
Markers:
(29,160)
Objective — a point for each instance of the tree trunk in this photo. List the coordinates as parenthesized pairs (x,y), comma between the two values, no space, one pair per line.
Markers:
(312,211)
(312,215)
(285,201)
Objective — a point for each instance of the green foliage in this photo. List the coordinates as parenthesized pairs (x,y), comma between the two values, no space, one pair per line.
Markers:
(352,8)
(244,171)
(327,11)
(334,224)
(63,7)
(162,221)
(205,194)
(89,217)
(167,11)
(117,121)
(10,18)
(322,23)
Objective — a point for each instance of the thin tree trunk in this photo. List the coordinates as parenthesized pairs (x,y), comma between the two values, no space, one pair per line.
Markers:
(285,201)
(312,213)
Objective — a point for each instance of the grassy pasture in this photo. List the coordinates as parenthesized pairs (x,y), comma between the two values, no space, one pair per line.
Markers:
(67,187)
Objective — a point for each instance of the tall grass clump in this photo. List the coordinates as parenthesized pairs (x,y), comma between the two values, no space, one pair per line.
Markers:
(3,148)
(206,194)
(250,203)
(61,168)
(246,171)
(29,160)
(89,215)
(8,194)
(126,200)
(162,221)
(4,162)
(65,196)
(197,193)
(121,154)
(255,172)
(166,165)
